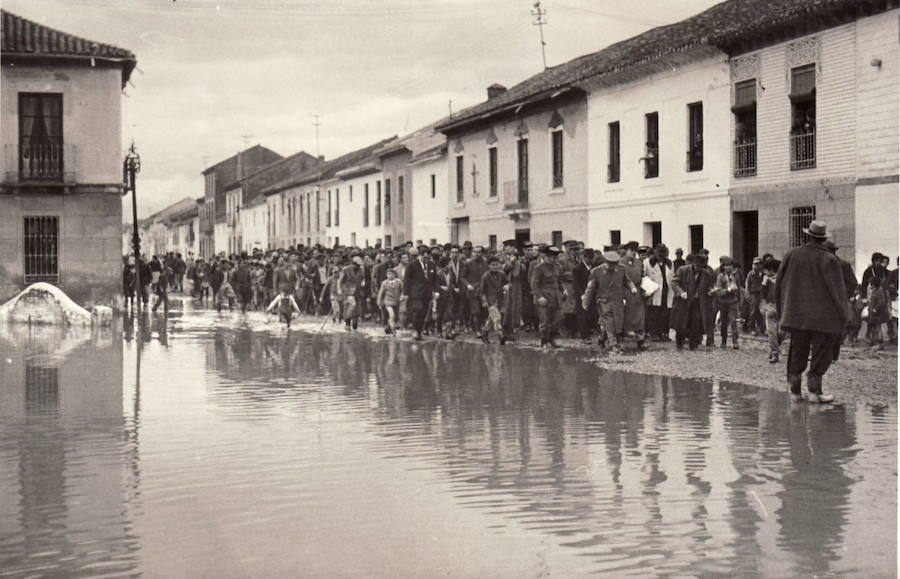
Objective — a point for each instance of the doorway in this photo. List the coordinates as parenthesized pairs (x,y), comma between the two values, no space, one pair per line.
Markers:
(459,230)
(745,237)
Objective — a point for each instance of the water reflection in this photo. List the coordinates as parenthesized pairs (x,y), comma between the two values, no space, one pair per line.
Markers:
(233,452)
(61,425)
(631,470)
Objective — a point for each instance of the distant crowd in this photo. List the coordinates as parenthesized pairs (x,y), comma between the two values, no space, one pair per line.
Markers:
(619,295)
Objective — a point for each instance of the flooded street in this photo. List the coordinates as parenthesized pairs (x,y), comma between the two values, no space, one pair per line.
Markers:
(223,447)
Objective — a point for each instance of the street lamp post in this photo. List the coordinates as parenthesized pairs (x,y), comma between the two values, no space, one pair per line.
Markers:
(131,167)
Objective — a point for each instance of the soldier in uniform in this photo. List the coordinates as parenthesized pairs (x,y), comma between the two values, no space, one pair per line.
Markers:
(548,295)
(607,286)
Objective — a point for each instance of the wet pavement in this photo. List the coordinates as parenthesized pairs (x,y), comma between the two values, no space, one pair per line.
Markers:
(226,446)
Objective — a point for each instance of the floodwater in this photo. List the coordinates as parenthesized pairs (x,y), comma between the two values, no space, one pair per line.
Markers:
(210,448)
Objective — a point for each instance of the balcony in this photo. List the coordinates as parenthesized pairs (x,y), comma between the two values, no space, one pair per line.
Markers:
(745,157)
(39,164)
(803,149)
(515,200)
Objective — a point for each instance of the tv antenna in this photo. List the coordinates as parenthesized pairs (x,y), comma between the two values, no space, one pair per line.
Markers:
(539,15)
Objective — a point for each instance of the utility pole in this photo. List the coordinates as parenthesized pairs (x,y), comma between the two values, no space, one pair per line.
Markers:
(246,139)
(450,107)
(317,124)
(540,18)
(131,167)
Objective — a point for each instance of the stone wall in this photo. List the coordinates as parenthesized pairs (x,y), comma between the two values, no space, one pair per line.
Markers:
(90,245)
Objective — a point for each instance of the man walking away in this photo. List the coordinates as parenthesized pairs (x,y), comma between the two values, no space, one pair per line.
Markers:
(812,305)
(548,293)
(769,308)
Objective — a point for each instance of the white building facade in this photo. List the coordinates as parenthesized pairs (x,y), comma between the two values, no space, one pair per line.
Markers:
(657,172)
(430,204)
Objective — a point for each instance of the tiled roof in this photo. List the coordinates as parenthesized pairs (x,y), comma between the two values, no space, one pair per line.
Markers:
(328,169)
(22,37)
(731,26)
(420,140)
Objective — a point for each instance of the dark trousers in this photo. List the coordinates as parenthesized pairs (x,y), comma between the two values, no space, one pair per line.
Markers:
(587,319)
(820,345)
(694,331)
(549,320)
(658,321)
(417,310)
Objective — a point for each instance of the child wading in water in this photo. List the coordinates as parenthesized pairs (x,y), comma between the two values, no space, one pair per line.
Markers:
(286,305)
(389,299)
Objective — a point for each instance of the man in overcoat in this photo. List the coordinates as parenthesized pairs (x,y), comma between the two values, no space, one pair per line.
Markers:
(813,307)
(608,285)
(420,284)
(692,309)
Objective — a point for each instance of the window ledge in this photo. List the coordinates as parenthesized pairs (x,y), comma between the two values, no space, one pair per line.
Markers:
(557,191)
(492,200)
(696,179)
(459,205)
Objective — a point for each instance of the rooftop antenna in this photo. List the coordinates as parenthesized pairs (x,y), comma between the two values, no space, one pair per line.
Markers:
(246,139)
(450,107)
(540,18)
(317,124)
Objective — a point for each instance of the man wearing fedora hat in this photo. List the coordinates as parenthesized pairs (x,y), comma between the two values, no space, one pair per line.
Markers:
(813,307)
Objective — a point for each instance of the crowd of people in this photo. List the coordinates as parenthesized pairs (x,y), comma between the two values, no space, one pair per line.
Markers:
(619,296)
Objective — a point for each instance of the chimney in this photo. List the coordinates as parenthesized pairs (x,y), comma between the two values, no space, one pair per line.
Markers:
(495,90)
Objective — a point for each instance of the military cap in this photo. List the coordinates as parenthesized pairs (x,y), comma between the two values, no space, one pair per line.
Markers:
(633,246)
(550,250)
(611,256)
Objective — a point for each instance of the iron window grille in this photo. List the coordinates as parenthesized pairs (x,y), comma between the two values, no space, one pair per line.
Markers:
(613,167)
(651,156)
(492,172)
(557,146)
(40,137)
(799,218)
(695,137)
(42,249)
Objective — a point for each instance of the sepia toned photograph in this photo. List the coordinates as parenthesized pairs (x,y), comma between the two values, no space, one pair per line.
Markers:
(460,289)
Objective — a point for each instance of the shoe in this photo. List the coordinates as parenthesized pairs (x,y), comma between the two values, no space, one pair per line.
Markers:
(797,398)
(553,343)
(735,346)
(773,359)
(418,338)
(502,340)
(641,346)
(679,346)
(484,338)
(820,398)
(723,345)
(795,385)
(586,341)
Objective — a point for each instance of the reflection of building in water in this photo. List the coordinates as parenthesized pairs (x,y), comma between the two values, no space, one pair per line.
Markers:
(62,427)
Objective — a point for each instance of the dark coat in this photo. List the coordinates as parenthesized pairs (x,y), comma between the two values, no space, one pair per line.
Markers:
(545,283)
(419,283)
(685,279)
(810,290)
(492,288)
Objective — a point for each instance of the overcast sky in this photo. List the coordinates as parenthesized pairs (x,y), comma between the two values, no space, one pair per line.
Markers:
(213,74)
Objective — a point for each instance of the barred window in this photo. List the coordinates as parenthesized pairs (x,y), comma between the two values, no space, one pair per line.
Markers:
(799,219)
(41,249)
(557,149)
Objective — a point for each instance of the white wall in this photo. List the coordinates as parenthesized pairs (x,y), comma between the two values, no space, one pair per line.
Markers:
(351,227)
(877,203)
(430,219)
(677,198)
(254,223)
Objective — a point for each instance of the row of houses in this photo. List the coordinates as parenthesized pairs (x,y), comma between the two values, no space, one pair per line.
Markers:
(729,130)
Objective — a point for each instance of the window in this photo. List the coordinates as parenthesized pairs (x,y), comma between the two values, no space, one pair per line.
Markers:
(696,232)
(400,199)
(41,249)
(799,219)
(492,242)
(651,153)
(556,144)
(492,172)
(337,207)
(615,153)
(387,241)
(433,186)
(652,233)
(522,169)
(387,201)
(459,178)
(366,205)
(803,117)
(744,111)
(695,137)
(615,237)
(328,215)
(556,239)
(377,203)
(353,239)
(40,137)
